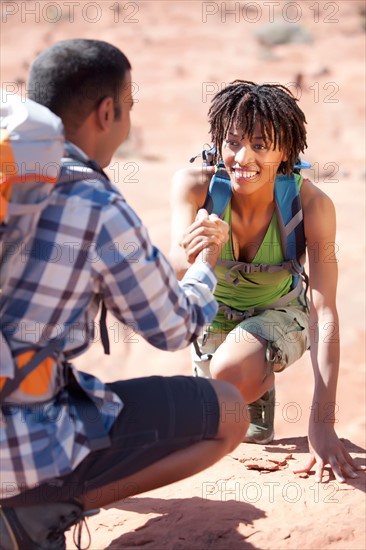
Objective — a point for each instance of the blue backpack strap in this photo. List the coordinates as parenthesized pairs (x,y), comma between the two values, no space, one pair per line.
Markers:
(302,164)
(288,208)
(290,217)
(219,192)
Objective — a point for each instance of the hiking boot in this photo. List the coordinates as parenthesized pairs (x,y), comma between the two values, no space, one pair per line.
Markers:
(261,413)
(38,527)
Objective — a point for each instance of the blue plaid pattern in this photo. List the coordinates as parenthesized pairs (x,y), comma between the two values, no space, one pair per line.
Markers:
(89,245)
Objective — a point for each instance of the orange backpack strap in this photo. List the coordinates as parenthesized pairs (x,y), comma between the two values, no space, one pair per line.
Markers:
(11,384)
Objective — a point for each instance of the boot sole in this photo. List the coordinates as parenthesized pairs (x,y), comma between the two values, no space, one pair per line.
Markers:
(259,441)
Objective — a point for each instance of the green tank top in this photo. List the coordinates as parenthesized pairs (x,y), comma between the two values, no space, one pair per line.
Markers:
(254,289)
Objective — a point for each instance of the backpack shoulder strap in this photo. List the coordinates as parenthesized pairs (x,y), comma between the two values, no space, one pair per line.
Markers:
(288,208)
(219,193)
(290,217)
(12,384)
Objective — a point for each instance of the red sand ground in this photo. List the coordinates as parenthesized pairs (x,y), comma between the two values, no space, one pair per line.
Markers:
(182,52)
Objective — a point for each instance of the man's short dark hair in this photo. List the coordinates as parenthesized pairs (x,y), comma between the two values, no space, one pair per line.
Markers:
(73,76)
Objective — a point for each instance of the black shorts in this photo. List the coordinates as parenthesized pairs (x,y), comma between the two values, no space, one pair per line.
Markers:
(161,415)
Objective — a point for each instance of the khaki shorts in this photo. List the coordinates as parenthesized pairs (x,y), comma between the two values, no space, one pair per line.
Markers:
(285,329)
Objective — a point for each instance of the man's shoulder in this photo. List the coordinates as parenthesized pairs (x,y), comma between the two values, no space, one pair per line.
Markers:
(91,187)
(83,178)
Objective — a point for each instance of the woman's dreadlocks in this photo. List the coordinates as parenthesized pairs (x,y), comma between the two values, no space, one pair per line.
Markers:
(273,106)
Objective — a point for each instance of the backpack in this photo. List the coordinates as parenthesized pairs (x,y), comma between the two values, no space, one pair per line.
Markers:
(31,148)
(290,221)
(31,161)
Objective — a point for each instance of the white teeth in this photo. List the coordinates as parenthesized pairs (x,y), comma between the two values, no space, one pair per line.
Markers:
(245,174)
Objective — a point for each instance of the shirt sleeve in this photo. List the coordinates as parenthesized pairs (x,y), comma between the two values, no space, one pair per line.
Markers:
(140,288)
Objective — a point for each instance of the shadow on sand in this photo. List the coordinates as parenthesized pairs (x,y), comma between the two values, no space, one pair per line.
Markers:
(219,521)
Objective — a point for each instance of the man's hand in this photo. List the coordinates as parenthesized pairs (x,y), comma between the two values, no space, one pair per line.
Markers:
(207,233)
(326,448)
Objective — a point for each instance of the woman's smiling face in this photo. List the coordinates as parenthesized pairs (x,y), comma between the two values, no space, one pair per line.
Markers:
(251,163)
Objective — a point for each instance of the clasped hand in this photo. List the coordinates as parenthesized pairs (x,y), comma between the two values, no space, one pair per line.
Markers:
(209,232)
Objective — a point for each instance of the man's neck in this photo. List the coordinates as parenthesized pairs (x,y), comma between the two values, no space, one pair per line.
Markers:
(74,150)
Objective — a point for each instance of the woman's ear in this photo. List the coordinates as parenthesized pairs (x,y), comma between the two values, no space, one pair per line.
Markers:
(284,156)
(105,113)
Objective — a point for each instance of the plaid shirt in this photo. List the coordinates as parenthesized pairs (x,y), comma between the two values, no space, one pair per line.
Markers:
(89,245)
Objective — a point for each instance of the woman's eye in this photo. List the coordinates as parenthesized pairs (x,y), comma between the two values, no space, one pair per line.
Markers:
(259,147)
(232,143)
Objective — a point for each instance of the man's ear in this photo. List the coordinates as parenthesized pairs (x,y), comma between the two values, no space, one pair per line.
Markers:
(105,112)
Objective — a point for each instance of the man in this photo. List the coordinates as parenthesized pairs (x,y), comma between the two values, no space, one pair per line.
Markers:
(59,460)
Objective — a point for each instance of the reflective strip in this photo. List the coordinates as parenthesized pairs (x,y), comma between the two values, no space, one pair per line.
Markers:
(294,222)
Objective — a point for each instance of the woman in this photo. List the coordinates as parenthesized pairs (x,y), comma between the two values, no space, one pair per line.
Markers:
(259,131)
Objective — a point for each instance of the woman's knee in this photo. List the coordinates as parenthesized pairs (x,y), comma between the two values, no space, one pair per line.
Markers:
(233,422)
(243,366)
